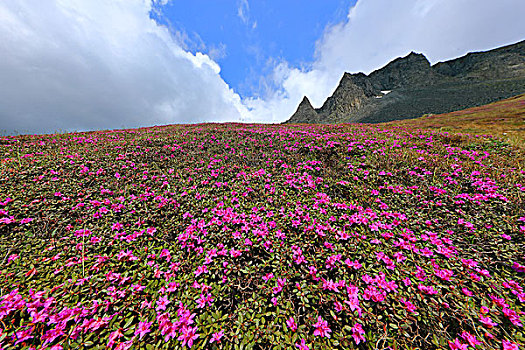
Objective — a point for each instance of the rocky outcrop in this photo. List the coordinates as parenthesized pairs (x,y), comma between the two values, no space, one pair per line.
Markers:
(411,70)
(353,91)
(417,87)
(351,94)
(305,113)
(504,62)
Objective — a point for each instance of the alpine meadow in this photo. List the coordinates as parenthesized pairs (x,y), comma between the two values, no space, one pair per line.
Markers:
(262,175)
(254,236)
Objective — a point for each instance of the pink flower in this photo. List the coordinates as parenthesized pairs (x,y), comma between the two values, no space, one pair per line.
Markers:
(410,307)
(291,324)
(162,303)
(203,300)
(216,337)
(8,220)
(116,226)
(357,333)
(303,345)
(145,304)
(113,336)
(338,307)
(353,303)
(472,340)
(427,289)
(200,270)
(25,220)
(23,335)
(12,257)
(512,316)
(321,328)
(508,345)
(420,274)
(38,316)
(487,321)
(188,335)
(267,277)
(467,292)
(518,267)
(457,345)
(330,285)
(142,329)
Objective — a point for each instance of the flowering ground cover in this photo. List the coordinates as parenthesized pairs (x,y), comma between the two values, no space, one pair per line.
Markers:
(261,236)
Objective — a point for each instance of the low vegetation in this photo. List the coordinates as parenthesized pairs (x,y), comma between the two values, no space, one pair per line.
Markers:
(252,236)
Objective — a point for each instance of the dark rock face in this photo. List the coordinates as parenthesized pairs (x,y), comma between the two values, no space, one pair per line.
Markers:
(413,69)
(417,87)
(353,91)
(305,113)
(504,62)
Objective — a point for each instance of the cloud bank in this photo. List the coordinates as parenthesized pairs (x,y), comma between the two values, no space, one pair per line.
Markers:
(80,65)
(97,64)
(377,31)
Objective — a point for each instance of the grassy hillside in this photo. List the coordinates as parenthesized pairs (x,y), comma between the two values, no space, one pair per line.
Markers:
(504,119)
(261,236)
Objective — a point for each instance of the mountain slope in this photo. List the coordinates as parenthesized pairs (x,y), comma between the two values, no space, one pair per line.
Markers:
(409,87)
(504,119)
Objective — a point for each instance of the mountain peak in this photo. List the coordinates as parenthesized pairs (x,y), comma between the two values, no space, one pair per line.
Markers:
(415,54)
(305,113)
(411,58)
(413,69)
(306,101)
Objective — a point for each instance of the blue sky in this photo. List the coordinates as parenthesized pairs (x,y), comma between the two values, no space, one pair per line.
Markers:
(101,64)
(247,38)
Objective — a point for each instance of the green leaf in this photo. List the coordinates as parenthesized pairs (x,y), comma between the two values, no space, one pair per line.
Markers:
(128,322)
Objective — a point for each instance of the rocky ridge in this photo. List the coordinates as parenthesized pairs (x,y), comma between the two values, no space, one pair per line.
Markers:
(410,86)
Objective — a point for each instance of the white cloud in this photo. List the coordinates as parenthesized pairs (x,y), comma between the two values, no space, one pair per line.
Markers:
(243,12)
(216,52)
(377,31)
(78,65)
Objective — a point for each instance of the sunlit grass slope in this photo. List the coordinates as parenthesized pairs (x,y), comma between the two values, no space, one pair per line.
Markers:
(503,119)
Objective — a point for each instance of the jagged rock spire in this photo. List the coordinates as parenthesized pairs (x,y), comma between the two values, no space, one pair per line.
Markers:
(305,113)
